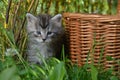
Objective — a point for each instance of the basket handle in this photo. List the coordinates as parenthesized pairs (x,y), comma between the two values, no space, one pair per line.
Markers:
(118,7)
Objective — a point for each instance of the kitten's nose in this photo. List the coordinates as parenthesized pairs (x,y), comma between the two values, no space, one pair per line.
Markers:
(43,39)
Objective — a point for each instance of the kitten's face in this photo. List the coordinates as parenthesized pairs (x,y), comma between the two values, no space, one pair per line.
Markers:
(44,28)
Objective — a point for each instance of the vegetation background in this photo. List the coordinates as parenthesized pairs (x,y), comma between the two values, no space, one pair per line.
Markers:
(13,39)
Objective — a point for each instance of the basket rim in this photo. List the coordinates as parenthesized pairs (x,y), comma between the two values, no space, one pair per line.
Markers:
(102,18)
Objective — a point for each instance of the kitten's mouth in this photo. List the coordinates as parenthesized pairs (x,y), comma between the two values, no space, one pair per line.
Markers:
(43,42)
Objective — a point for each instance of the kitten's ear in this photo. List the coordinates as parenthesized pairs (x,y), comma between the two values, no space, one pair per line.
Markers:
(57,18)
(30,22)
(30,17)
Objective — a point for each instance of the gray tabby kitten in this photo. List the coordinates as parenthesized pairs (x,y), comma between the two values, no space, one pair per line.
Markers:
(45,36)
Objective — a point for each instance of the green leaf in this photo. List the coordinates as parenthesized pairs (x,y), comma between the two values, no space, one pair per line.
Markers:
(58,72)
(33,72)
(94,72)
(109,58)
(113,78)
(40,70)
(105,7)
(9,74)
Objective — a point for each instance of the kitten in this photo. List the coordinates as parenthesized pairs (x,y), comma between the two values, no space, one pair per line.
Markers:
(45,36)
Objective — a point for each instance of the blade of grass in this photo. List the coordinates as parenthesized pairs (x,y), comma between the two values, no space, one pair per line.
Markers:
(94,72)
(58,72)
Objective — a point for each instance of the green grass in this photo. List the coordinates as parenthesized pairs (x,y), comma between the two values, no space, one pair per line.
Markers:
(57,71)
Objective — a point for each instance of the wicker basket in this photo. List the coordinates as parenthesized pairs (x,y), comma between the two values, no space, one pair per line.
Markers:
(95,38)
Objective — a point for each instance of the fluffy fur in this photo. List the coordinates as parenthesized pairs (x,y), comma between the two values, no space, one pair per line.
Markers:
(45,36)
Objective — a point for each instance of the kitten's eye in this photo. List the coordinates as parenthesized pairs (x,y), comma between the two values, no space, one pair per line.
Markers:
(49,33)
(38,32)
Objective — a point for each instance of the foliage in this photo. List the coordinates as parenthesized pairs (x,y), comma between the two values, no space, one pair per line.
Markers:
(32,72)
(13,39)
(55,70)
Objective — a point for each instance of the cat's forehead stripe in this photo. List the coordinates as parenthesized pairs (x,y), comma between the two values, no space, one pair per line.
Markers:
(44,20)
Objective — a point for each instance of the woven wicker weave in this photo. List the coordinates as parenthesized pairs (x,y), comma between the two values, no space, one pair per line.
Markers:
(96,35)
